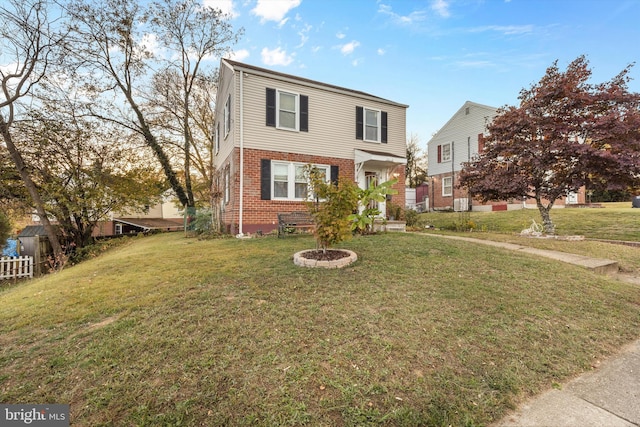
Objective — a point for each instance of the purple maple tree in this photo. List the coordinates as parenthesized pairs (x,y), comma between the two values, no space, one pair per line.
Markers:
(567,133)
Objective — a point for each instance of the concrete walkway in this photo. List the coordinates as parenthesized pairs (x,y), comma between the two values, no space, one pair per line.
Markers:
(598,265)
(608,396)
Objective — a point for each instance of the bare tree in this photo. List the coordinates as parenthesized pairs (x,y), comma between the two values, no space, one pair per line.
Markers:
(110,41)
(416,168)
(26,34)
(194,35)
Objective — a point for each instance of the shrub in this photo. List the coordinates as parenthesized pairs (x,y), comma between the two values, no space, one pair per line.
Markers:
(362,221)
(411,217)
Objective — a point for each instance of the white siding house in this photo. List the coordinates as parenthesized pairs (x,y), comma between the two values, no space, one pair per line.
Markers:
(458,141)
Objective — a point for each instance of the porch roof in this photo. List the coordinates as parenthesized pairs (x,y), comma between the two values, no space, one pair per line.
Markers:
(378,159)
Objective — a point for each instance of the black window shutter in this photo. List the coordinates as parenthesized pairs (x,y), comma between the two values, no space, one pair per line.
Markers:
(265,179)
(359,122)
(334,174)
(271,107)
(304,113)
(383,122)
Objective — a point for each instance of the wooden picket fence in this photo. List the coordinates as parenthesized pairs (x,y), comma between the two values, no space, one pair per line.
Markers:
(16,267)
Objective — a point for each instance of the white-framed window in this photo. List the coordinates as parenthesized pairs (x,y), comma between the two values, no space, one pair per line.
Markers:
(446,152)
(227,116)
(447,186)
(118,228)
(288,107)
(372,124)
(216,136)
(227,185)
(289,182)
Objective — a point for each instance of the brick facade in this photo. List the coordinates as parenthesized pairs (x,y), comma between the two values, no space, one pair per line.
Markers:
(439,202)
(258,214)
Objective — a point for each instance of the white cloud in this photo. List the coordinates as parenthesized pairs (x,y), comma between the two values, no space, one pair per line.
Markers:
(281,23)
(274,10)
(340,35)
(239,55)
(507,30)
(475,64)
(381,51)
(355,62)
(226,6)
(150,44)
(304,35)
(441,7)
(398,19)
(276,56)
(348,48)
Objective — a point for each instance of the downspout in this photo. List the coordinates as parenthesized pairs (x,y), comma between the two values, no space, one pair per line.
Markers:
(241,201)
(453,176)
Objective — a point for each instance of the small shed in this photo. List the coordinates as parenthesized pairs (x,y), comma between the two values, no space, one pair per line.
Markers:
(35,243)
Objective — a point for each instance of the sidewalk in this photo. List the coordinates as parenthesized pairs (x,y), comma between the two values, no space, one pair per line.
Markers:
(608,396)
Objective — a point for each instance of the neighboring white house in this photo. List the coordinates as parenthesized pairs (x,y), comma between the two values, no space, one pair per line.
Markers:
(458,141)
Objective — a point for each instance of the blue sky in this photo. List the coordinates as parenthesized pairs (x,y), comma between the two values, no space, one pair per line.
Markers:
(436,54)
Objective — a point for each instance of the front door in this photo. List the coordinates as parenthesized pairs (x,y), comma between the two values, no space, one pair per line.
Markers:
(371,178)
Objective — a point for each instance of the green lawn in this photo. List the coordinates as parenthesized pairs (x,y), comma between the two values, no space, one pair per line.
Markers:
(419,331)
(616,221)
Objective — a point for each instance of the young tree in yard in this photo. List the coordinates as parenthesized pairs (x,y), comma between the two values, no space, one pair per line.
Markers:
(416,168)
(566,133)
(27,35)
(331,205)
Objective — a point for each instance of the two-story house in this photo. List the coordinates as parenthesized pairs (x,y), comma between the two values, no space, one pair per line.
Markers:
(457,142)
(269,125)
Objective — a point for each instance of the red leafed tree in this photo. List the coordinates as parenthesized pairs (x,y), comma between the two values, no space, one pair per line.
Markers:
(566,133)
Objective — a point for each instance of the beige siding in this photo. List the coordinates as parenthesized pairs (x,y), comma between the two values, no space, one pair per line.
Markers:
(331,121)
(226,85)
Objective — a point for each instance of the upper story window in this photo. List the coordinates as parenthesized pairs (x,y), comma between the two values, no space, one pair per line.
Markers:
(444,152)
(216,136)
(227,116)
(371,125)
(287,110)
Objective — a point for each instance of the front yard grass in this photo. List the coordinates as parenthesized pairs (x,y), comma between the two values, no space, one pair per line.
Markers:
(614,221)
(419,331)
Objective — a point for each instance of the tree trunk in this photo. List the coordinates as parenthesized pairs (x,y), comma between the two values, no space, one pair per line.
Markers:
(58,253)
(152,142)
(545,212)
